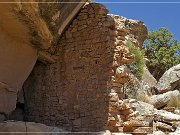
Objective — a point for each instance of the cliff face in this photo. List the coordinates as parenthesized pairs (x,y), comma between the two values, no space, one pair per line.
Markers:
(29,31)
(77,91)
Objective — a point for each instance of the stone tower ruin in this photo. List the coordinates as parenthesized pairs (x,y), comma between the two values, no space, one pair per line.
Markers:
(75,66)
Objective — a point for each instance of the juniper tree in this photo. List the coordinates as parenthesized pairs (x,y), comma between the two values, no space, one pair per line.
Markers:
(162,50)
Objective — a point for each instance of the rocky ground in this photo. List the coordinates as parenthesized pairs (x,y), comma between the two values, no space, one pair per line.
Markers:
(158,114)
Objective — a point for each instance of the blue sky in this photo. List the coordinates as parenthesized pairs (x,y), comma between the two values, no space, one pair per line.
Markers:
(153,15)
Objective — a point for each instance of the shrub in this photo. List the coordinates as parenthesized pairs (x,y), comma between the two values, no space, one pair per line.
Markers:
(137,67)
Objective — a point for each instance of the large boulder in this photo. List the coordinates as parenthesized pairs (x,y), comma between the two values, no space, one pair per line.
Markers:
(148,77)
(170,80)
(163,99)
(162,115)
(142,107)
(163,126)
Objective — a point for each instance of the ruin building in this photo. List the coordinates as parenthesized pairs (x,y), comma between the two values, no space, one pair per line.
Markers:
(63,62)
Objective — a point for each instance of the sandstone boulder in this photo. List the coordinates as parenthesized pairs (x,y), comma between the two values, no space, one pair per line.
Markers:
(28,31)
(148,77)
(170,80)
(165,116)
(142,107)
(163,99)
(163,126)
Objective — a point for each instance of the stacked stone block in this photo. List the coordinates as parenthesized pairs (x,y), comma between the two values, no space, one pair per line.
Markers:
(122,33)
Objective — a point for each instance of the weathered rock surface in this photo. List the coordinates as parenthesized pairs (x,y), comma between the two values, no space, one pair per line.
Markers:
(166,116)
(28,31)
(26,127)
(177,132)
(143,108)
(137,89)
(148,77)
(163,126)
(136,123)
(158,133)
(141,117)
(170,80)
(163,99)
(7,101)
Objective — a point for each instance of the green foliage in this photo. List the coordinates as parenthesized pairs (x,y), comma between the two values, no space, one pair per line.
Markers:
(137,67)
(162,50)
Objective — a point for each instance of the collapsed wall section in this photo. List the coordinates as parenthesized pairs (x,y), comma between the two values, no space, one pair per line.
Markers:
(126,30)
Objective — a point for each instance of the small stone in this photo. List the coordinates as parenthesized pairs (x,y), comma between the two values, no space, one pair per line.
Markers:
(113,97)
(136,123)
(134,114)
(132,100)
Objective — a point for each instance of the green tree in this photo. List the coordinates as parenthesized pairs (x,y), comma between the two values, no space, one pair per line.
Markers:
(162,50)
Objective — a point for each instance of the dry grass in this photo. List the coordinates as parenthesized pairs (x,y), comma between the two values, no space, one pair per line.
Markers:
(174,102)
(143,97)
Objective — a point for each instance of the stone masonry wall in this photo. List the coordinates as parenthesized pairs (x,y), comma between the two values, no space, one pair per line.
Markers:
(81,91)
(87,59)
(125,30)
(72,92)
